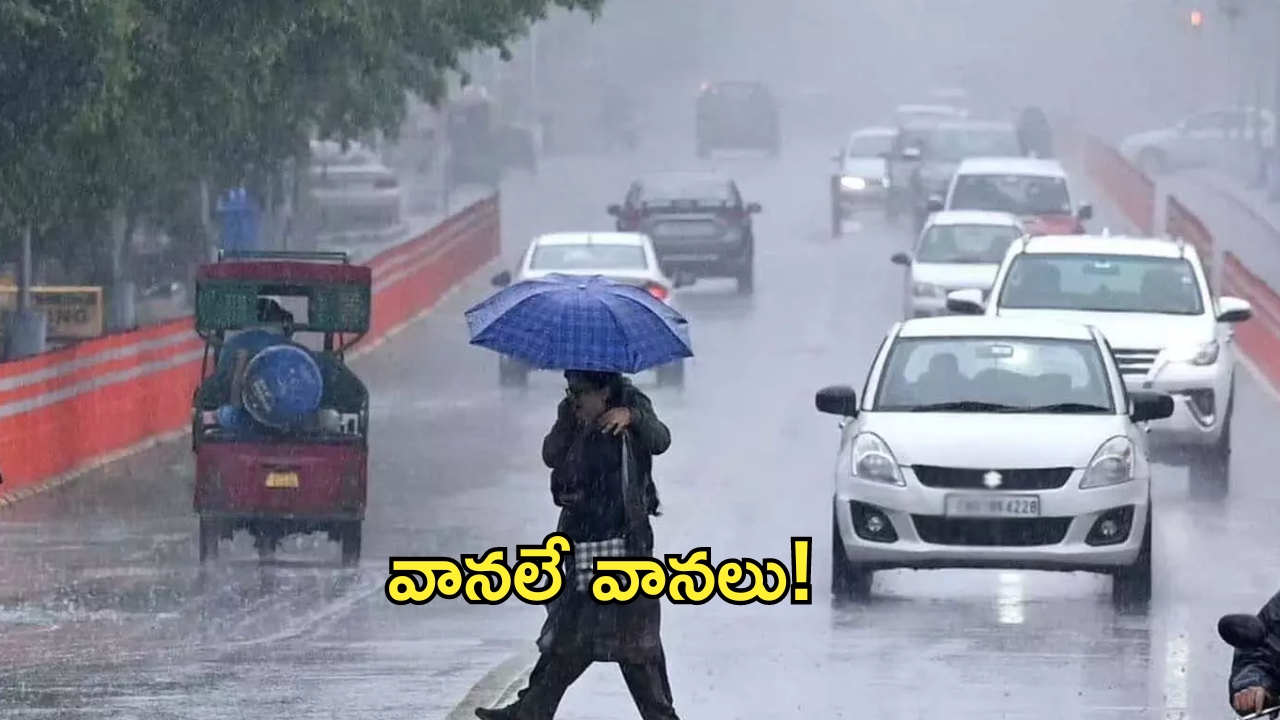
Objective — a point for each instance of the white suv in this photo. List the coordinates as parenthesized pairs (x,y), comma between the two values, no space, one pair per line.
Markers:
(992,443)
(1149,296)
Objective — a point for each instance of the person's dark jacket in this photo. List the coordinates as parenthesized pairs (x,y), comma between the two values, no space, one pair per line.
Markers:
(1260,667)
(593,509)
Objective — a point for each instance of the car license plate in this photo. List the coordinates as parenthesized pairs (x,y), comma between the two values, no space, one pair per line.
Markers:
(993,506)
(282,480)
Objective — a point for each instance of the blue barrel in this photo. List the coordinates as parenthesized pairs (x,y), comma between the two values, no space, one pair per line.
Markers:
(282,386)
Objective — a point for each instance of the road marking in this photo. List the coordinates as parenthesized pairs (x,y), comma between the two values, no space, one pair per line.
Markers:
(498,687)
(1010,605)
(1177,658)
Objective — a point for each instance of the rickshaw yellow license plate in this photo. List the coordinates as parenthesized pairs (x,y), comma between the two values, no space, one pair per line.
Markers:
(282,480)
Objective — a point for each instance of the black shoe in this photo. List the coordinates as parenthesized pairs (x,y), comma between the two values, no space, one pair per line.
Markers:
(502,713)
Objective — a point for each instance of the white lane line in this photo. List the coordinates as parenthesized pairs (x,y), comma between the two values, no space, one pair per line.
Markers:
(1010,605)
(1177,661)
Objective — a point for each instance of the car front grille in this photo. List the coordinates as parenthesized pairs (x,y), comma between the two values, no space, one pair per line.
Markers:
(983,532)
(975,479)
(1135,362)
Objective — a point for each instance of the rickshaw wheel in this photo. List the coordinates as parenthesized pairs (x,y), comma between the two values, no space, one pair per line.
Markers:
(210,533)
(350,537)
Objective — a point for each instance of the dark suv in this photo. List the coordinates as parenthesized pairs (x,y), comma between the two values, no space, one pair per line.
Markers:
(699,225)
(737,116)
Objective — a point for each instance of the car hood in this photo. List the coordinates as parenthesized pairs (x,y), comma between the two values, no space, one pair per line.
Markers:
(1054,224)
(996,442)
(955,276)
(1130,331)
(869,168)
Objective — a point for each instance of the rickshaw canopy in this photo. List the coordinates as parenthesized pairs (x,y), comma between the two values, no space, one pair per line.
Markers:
(339,294)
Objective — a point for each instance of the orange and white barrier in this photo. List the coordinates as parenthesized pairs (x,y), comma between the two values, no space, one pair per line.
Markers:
(68,410)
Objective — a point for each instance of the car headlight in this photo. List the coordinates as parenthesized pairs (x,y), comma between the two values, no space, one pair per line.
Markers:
(1113,464)
(884,181)
(1200,355)
(853,183)
(923,289)
(873,460)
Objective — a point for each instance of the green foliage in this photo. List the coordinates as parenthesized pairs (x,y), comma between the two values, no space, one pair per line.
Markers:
(124,105)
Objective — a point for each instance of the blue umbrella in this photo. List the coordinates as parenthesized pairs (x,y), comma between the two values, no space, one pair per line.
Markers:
(565,322)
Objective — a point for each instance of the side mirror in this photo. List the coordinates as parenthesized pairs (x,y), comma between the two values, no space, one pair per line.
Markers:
(615,210)
(901,258)
(966,302)
(837,400)
(1150,406)
(1242,631)
(1084,212)
(1233,310)
(911,153)
(681,280)
(934,204)
(754,208)
(502,279)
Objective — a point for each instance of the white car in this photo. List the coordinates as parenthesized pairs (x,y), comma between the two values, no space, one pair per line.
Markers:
(1150,297)
(957,250)
(624,257)
(1203,139)
(1034,189)
(862,173)
(352,197)
(992,443)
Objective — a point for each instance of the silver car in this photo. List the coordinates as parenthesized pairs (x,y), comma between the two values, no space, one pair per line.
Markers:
(862,174)
(957,250)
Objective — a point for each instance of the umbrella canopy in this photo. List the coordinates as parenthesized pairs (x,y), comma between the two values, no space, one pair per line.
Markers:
(564,322)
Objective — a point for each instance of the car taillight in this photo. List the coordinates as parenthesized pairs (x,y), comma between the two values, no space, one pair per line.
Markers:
(658,291)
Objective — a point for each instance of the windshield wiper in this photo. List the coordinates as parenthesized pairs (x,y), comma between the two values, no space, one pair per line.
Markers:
(965,406)
(1065,408)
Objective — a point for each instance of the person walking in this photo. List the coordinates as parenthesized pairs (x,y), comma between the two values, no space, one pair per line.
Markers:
(600,451)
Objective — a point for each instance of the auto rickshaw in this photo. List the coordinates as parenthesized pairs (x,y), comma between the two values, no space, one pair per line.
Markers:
(280,480)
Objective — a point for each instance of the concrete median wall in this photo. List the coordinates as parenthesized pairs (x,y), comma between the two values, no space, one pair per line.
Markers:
(1137,198)
(67,411)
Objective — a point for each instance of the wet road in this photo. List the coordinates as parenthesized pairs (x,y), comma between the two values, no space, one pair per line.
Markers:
(107,615)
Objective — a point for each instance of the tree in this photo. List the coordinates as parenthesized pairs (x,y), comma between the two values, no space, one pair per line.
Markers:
(118,110)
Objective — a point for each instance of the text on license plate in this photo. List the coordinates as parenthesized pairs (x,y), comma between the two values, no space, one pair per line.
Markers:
(1006,506)
(282,480)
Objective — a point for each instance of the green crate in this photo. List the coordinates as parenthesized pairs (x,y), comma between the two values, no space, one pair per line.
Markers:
(331,307)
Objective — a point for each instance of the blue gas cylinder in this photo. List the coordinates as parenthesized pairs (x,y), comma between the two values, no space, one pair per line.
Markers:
(282,386)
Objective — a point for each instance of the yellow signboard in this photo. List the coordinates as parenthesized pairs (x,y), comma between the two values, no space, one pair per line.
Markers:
(74,313)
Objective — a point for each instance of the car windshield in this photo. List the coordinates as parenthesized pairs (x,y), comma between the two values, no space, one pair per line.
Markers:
(703,191)
(955,144)
(1102,283)
(1020,195)
(966,244)
(869,146)
(910,114)
(993,374)
(599,256)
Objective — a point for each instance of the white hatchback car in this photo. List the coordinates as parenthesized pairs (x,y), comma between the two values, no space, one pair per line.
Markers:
(1035,189)
(991,443)
(956,250)
(1152,300)
(624,257)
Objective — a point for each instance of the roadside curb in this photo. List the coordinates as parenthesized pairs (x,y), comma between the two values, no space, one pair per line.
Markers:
(498,686)
(11,497)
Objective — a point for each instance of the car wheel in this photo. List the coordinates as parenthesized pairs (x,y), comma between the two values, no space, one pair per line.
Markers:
(351,537)
(1131,586)
(746,277)
(848,581)
(671,374)
(1209,471)
(512,373)
(891,211)
(1153,162)
(837,220)
(210,534)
